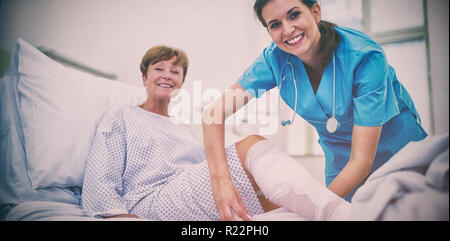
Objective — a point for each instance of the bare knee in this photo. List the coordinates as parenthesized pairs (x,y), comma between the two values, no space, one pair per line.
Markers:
(249,141)
(243,146)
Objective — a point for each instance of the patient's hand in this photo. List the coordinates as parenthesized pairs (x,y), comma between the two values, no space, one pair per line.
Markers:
(124,216)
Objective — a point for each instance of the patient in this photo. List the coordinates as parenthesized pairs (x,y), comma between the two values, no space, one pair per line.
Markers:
(143,165)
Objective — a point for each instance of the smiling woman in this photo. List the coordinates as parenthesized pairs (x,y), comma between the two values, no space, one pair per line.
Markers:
(306,13)
(143,163)
(162,53)
(163,71)
(343,78)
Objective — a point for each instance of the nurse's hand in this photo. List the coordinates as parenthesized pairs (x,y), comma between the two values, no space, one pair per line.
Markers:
(227,198)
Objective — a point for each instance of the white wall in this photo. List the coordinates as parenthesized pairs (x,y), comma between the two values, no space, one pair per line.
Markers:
(113,35)
(220,37)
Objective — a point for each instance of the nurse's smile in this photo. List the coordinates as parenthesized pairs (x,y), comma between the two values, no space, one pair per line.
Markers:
(294,42)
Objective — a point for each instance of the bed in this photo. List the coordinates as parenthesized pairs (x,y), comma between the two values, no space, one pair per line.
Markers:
(49,113)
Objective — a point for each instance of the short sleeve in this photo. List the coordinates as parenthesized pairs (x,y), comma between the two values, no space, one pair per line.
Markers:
(373,93)
(259,77)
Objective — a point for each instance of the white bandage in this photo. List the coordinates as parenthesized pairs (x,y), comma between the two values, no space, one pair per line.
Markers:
(288,184)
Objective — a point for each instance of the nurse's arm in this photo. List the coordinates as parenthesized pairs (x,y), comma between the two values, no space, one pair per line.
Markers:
(363,151)
(225,192)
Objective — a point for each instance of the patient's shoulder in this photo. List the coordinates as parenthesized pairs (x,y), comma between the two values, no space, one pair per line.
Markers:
(112,120)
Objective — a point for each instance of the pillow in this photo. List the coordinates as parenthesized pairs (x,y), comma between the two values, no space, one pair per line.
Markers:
(60,109)
(15,184)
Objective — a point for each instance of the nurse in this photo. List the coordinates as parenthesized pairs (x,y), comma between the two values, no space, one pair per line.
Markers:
(337,79)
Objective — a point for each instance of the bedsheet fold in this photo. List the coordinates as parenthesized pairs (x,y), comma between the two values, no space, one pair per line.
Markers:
(412,186)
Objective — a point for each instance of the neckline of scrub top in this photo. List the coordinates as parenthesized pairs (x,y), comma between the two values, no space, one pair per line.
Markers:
(323,100)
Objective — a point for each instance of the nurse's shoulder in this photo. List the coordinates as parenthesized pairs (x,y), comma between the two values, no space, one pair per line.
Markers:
(274,55)
(356,42)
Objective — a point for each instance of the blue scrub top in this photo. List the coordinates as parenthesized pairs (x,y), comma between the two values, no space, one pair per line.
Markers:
(368,94)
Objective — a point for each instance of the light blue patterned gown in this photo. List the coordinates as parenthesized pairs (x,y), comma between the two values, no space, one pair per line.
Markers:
(144,164)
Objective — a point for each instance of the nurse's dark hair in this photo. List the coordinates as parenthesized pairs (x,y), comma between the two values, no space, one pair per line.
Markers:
(162,53)
(329,37)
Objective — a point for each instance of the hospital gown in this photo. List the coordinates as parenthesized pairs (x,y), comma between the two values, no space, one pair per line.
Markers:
(146,164)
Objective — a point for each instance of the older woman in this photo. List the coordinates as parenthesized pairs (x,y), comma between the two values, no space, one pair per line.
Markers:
(141,164)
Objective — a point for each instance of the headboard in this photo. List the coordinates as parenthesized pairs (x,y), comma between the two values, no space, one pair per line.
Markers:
(75,64)
(5,58)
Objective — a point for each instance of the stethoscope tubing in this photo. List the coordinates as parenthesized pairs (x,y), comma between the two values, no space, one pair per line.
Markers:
(332,123)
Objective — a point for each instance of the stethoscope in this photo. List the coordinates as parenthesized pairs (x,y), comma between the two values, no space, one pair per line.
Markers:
(332,124)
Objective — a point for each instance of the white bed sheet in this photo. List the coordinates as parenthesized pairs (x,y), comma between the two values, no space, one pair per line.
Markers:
(413,186)
(52,211)
(56,211)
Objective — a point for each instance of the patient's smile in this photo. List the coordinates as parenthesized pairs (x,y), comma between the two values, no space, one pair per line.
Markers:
(165,85)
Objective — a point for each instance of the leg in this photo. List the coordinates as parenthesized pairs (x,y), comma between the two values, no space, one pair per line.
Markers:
(287,183)
(242,148)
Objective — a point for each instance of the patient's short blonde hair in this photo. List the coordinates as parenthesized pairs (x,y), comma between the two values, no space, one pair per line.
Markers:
(163,53)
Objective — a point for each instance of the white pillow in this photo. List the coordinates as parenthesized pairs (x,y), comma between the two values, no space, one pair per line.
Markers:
(60,109)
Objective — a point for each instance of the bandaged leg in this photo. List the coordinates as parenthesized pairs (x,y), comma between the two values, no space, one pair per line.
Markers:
(288,184)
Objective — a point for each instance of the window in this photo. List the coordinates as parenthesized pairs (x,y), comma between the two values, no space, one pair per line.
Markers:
(400,27)
(346,13)
(388,15)
(399,55)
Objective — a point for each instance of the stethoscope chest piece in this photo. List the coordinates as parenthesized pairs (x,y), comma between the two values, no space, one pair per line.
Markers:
(332,125)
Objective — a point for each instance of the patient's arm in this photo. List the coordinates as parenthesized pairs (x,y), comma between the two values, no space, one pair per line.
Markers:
(102,186)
